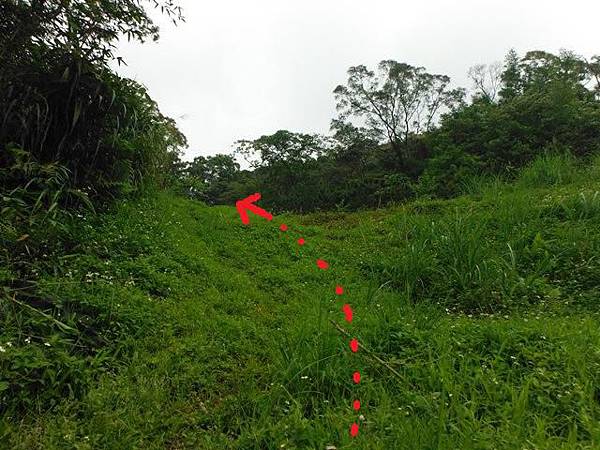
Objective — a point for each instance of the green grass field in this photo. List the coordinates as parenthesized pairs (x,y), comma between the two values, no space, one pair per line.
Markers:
(166,324)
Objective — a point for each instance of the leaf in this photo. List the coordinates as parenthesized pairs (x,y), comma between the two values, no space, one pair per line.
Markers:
(76,114)
(65,75)
(60,324)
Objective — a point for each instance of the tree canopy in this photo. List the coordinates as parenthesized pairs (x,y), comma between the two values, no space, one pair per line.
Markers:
(397,101)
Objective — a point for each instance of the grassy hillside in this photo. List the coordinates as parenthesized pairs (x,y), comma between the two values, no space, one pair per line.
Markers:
(168,324)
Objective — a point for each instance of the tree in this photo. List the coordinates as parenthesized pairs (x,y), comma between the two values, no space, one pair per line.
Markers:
(286,167)
(282,146)
(541,69)
(212,168)
(594,71)
(352,143)
(397,102)
(220,167)
(511,76)
(87,30)
(196,168)
(487,80)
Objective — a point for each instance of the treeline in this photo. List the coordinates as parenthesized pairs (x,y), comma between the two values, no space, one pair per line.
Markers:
(402,132)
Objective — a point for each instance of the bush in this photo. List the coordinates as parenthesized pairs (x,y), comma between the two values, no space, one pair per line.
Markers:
(104,129)
(446,173)
(34,194)
(63,105)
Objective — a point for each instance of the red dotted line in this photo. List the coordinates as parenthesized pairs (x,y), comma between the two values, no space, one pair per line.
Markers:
(348,316)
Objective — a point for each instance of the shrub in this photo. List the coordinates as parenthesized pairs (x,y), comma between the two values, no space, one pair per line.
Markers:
(446,172)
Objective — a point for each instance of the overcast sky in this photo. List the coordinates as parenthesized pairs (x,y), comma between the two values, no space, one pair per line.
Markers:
(239,69)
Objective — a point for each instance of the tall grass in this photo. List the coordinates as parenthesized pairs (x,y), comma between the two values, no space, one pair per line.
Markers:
(549,169)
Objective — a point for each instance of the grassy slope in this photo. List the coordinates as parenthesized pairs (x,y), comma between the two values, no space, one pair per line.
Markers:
(486,306)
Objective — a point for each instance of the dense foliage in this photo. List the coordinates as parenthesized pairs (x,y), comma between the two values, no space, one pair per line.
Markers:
(61,104)
(403,132)
(74,136)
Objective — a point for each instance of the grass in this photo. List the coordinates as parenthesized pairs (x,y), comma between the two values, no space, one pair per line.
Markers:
(168,324)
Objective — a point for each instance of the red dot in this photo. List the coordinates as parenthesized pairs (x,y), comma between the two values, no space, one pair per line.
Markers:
(283,227)
(339,290)
(347,312)
(354,430)
(356,405)
(322,264)
(301,241)
(354,345)
(356,377)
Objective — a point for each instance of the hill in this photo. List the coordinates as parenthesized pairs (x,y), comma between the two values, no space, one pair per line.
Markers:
(165,323)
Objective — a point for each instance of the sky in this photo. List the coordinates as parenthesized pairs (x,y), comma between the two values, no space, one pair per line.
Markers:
(239,69)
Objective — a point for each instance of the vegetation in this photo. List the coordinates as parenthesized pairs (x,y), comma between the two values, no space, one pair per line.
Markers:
(168,324)
(73,137)
(60,103)
(403,132)
(132,316)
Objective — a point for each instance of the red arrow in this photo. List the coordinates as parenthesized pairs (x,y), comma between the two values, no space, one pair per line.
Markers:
(247,204)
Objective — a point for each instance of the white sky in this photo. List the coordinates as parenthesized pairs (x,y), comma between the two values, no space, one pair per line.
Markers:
(238,69)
